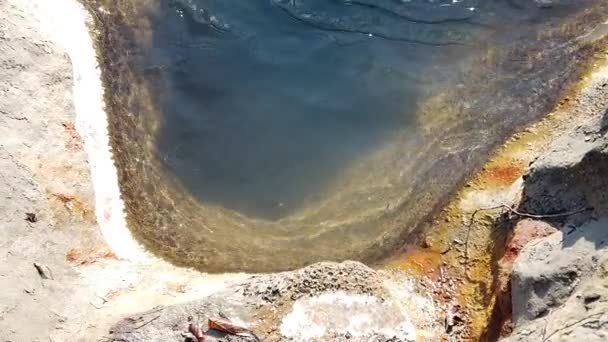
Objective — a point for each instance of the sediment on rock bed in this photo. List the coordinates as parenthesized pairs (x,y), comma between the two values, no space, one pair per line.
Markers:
(173,223)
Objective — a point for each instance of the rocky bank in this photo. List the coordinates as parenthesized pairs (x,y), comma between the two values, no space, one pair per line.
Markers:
(559,283)
(325,301)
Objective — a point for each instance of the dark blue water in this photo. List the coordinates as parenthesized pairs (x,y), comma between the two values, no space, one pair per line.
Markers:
(271,100)
(264,135)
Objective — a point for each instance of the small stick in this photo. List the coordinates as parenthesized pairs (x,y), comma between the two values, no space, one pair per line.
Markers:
(570,325)
(104,300)
(546,325)
(148,322)
(567,213)
(513,211)
(95,306)
(469,228)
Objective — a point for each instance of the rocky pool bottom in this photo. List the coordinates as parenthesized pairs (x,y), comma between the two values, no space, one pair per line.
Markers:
(520,253)
(371,211)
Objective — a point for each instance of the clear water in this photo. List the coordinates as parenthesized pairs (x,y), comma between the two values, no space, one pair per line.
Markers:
(268,134)
(272,100)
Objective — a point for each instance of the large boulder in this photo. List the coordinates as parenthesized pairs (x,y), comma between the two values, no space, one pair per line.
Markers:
(325,301)
(550,270)
(562,295)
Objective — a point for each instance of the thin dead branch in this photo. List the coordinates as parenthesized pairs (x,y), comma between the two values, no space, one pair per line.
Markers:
(546,325)
(97,307)
(564,214)
(469,228)
(146,323)
(570,325)
(513,211)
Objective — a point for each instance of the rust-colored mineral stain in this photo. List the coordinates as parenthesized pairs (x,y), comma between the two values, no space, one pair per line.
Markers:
(417,261)
(74,205)
(503,174)
(74,140)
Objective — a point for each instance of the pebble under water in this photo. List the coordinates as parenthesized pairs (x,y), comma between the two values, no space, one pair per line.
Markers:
(264,135)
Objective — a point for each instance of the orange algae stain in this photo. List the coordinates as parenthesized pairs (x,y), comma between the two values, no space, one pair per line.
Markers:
(503,174)
(74,140)
(418,261)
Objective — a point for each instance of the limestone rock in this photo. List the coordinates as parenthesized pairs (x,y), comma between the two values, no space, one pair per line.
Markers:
(322,302)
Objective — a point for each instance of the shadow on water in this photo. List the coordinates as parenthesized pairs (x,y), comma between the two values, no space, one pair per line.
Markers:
(319,129)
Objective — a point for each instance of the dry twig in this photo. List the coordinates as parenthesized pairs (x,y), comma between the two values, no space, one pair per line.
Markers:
(564,214)
(95,306)
(146,323)
(515,212)
(570,325)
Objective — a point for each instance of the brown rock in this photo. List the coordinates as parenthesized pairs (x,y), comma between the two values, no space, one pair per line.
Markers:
(524,232)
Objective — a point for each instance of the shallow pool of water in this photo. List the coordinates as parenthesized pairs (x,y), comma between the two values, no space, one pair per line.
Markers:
(265,135)
(269,101)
